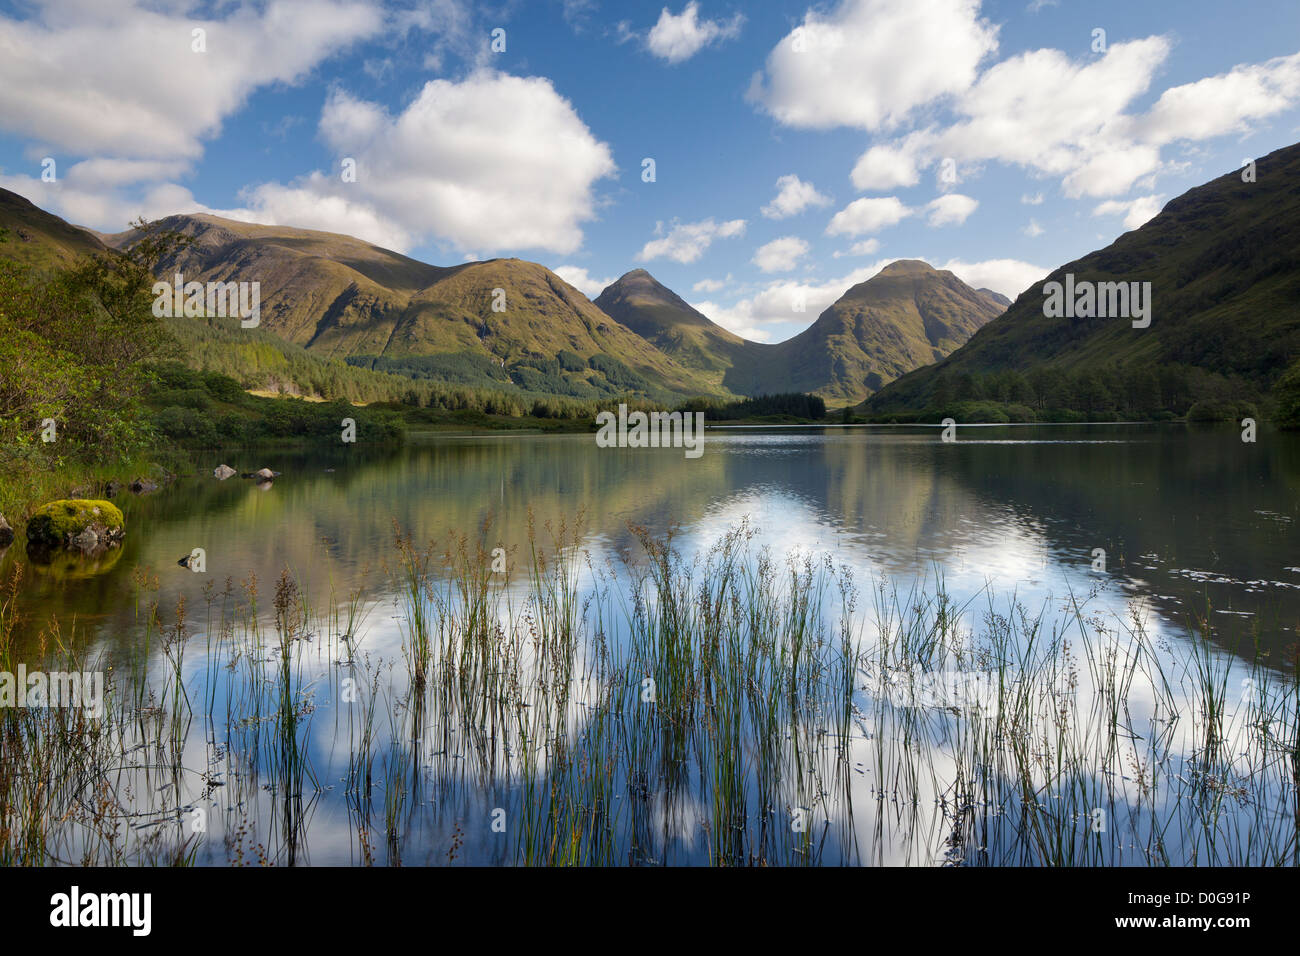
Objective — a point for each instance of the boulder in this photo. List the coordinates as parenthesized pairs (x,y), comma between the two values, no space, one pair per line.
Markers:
(6,533)
(76,524)
(222,472)
(112,489)
(143,486)
(262,475)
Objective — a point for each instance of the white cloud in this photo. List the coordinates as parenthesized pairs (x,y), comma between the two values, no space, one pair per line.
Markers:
(870,63)
(583,281)
(867,247)
(1136,212)
(1008,276)
(1071,119)
(952,209)
(712,285)
(1223,104)
(886,167)
(1045,112)
(493,162)
(123,80)
(793,197)
(678,37)
(1033,230)
(687,241)
(780,255)
(867,215)
(1035,200)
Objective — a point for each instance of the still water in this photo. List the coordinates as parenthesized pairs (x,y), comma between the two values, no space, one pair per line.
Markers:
(1182,532)
(1191,520)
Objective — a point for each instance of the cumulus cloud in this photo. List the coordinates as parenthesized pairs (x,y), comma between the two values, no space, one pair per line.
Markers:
(125,81)
(878,66)
(1008,276)
(678,37)
(1136,212)
(870,63)
(686,241)
(885,167)
(712,285)
(780,255)
(793,196)
(493,162)
(867,247)
(584,281)
(952,209)
(864,216)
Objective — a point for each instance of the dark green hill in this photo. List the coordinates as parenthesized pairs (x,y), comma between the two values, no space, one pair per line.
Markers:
(1223,261)
(34,237)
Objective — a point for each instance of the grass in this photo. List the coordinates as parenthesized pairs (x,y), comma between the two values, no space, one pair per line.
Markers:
(731,707)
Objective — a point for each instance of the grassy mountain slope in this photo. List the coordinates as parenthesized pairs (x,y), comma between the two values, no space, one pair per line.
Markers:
(31,236)
(1223,261)
(659,315)
(907,315)
(343,298)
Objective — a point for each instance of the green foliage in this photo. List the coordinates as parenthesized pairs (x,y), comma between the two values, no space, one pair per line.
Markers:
(786,405)
(73,345)
(208,410)
(1287,395)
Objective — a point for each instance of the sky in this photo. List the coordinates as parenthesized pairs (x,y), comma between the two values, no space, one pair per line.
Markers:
(755,157)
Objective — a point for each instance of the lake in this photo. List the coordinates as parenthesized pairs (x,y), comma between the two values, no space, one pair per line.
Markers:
(331,715)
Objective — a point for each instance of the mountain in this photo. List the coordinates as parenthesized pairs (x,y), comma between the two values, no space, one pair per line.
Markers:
(662,317)
(30,235)
(1223,263)
(907,315)
(344,298)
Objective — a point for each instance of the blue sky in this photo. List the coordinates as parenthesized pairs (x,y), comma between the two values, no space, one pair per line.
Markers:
(797,148)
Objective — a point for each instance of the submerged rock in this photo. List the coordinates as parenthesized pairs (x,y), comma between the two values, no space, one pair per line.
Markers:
(262,475)
(144,486)
(222,472)
(85,525)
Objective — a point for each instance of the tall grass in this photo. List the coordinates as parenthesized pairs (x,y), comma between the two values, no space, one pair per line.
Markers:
(727,706)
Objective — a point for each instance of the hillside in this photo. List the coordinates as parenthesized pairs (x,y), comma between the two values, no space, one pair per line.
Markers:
(662,317)
(1223,261)
(31,236)
(907,315)
(343,298)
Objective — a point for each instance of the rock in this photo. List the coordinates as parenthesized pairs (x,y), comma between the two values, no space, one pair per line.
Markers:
(222,472)
(262,475)
(6,533)
(112,489)
(143,486)
(77,524)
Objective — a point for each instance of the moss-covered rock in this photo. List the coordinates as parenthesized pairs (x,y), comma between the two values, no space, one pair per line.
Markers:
(87,525)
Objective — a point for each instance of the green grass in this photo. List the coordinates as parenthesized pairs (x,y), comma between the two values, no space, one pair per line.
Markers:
(732,708)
